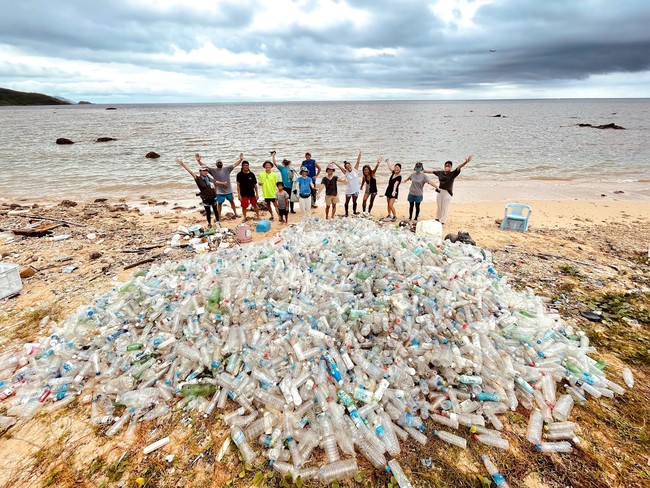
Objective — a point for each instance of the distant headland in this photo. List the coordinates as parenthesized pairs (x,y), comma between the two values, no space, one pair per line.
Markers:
(12,97)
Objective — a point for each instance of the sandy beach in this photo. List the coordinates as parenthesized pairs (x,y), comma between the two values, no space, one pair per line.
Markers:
(582,253)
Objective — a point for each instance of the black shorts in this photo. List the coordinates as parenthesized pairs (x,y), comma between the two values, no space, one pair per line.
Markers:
(283,212)
(269,200)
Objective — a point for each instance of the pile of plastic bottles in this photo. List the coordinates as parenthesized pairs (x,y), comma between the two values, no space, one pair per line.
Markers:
(343,336)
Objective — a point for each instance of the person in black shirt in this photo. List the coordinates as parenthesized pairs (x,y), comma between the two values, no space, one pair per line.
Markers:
(446,190)
(247,189)
(207,192)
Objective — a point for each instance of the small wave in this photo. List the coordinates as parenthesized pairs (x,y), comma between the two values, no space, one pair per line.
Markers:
(551,178)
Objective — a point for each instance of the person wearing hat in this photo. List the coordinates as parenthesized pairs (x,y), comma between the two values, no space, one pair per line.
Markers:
(305,188)
(329,183)
(268,180)
(418,179)
(222,173)
(247,189)
(446,190)
(207,192)
(313,170)
(288,174)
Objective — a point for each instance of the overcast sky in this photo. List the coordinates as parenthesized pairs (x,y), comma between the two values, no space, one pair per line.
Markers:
(245,50)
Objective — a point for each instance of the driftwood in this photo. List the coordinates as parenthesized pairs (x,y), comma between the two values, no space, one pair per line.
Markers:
(38,217)
(38,231)
(144,261)
(142,249)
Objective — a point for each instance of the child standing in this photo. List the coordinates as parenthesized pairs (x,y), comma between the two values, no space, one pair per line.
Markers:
(282,197)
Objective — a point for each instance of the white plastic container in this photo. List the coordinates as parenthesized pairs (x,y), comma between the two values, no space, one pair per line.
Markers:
(10,282)
(429,228)
(244,233)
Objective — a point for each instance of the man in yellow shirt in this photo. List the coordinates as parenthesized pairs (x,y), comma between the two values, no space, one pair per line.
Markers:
(268,181)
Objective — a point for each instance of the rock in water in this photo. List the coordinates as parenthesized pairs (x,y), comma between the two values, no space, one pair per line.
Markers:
(63,140)
(152,155)
(106,139)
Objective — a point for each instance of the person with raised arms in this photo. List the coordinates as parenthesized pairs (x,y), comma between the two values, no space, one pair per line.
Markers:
(446,190)
(369,185)
(353,186)
(207,192)
(288,177)
(247,191)
(392,190)
(222,173)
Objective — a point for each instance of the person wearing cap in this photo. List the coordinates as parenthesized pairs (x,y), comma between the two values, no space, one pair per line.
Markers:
(268,180)
(222,173)
(207,192)
(313,170)
(329,183)
(353,183)
(247,190)
(418,179)
(446,190)
(305,188)
(288,174)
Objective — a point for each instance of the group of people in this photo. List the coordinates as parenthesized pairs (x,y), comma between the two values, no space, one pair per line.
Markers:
(281,193)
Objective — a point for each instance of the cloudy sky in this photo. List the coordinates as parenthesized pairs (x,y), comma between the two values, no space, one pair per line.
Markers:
(129,51)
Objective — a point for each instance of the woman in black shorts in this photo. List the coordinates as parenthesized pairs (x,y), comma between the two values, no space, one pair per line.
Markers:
(369,185)
(392,190)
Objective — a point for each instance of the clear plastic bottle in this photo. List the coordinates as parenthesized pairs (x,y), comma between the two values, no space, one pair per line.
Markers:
(244,448)
(563,407)
(451,438)
(340,470)
(494,441)
(535,426)
(562,446)
(398,473)
(496,476)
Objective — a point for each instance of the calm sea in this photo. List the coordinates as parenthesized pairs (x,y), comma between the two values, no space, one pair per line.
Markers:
(532,140)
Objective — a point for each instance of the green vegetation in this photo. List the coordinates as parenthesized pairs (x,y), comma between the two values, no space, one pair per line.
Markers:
(11,97)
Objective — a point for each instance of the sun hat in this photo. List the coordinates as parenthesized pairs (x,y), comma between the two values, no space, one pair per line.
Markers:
(304,170)
(331,166)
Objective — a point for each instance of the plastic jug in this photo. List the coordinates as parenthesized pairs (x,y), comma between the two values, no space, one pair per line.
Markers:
(244,233)
(263,226)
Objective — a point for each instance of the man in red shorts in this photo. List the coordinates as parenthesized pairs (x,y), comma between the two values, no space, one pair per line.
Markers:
(247,189)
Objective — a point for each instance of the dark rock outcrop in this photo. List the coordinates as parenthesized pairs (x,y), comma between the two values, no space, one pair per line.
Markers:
(152,155)
(604,126)
(63,140)
(105,139)
(110,108)
(68,203)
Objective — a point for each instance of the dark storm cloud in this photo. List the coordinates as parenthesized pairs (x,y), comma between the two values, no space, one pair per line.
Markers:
(401,45)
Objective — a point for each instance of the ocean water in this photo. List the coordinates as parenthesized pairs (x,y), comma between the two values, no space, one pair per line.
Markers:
(533,140)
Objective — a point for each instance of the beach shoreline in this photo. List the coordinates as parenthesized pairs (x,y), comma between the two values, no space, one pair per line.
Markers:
(574,253)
